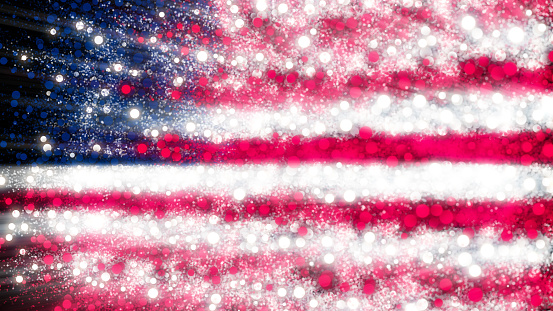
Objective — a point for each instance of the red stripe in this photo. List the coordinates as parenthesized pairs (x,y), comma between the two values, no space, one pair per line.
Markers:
(512,148)
(528,217)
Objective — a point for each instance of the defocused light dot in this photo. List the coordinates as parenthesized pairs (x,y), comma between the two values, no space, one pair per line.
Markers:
(487,250)
(497,98)
(284,242)
(313,303)
(216,298)
(477,33)
(47,147)
(369,237)
(304,42)
(529,184)
(239,23)
(105,276)
(465,259)
(282,8)
(98,40)
(327,241)
(349,196)
(134,113)
(281,292)
(353,303)
(422,304)
(419,101)
(152,293)
(391,250)
(201,56)
(324,57)
(475,271)
(259,57)
(329,198)
(328,258)
(261,5)
(516,35)
(346,125)
(468,22)
(190,127)
(79,25)
(19,279)
(59,78)
(213,238)
(299,292)
(239,194)
(463,240)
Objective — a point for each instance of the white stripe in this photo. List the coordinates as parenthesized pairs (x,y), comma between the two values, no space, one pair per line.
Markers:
(349,182)
(461,113)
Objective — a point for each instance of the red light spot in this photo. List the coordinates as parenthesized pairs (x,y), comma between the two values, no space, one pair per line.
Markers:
(445,284)
(510,69)
(184,50)
(195,28)
(325,279)
(373,56)
(142,148)
(257,22)
(475,294)
(365,132)
(469,68)
(67,257)
(126,89)
(536,300)
(410,221)
(423,211)
(48,259)
(175,95)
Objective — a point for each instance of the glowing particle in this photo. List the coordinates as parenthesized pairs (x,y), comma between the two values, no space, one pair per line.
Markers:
(190,127)
(299,292)
(349,196)
(329,258)
(213,238)
(201,56)
(346,125)
(152,293)
(468,22)
(105,277)
(304,42)
(324,57)
(282,8)
(239,194)
(369,237)
(463,240)
(98,40)
(419,101)
(284,242)
(464,259)
(261,5)
(216,298)
(475,271)
(327,241)
(516,35)
(134,113)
